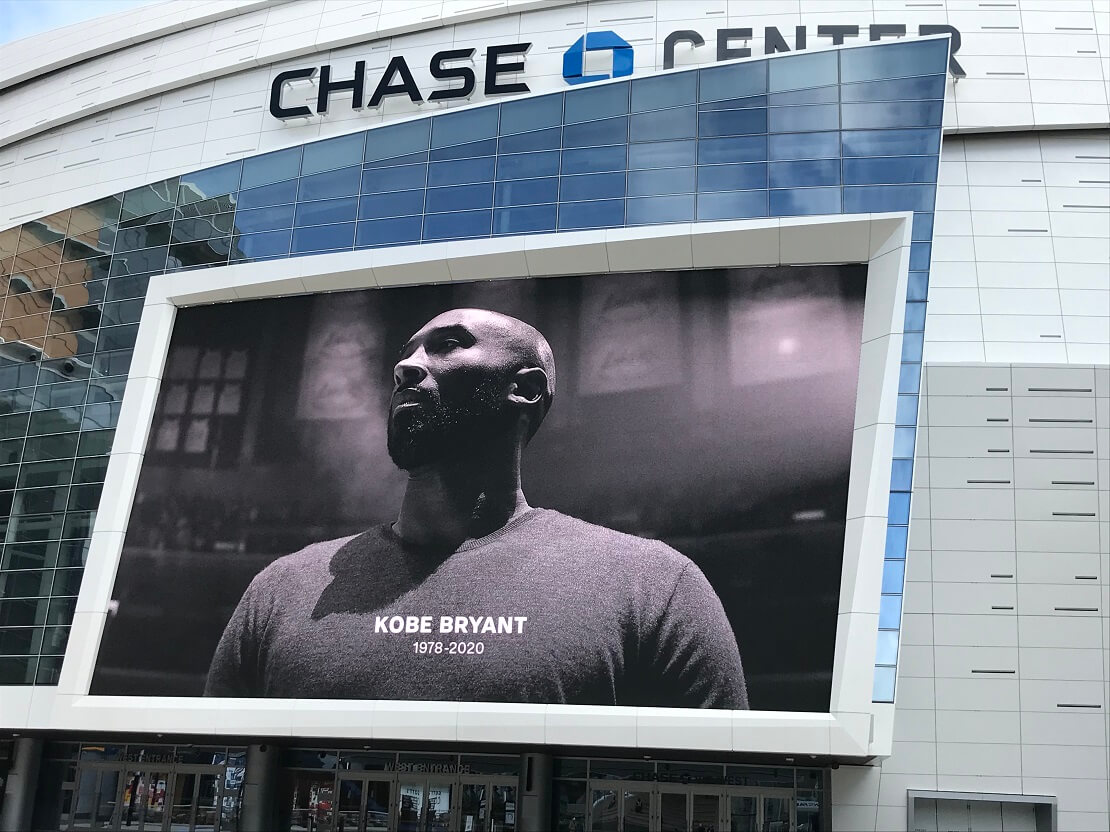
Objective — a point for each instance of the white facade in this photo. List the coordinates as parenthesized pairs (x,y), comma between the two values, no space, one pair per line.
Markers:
(1004,667)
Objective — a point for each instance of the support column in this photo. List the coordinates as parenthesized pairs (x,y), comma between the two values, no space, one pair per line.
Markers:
(533,811)
(19,790)
(260,785)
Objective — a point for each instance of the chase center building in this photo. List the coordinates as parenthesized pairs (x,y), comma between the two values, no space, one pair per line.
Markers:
(219,221)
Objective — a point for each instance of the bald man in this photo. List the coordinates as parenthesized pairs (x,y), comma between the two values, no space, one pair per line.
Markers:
(472,594)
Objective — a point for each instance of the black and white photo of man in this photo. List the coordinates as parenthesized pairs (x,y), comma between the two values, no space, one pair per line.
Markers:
(471,594)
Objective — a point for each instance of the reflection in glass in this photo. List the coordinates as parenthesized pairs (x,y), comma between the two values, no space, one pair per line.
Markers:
(636,811)
(604,810)
(742,811)
(776,814)
(672,812)
(410,806)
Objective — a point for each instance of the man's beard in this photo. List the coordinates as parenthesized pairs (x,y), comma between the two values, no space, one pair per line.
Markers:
(435,430)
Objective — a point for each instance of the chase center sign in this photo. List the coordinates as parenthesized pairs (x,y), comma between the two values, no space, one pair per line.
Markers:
(455,66)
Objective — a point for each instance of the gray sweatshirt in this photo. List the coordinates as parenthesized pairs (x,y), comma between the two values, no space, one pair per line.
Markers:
(548,609)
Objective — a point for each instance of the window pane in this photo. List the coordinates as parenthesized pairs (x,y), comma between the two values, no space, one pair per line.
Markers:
(896,537)
(805,174)
(662,154)
(524,220)
(591,133)
(396,140)
(890,611)
(461,171)
(526,165)
(896,60)
(323,238)
(922,226)
(804,146)
(593,159)
(898,511)
(661,209)
(883,689)
(903,442)
(915,317)
(343,182)
(264,219)
(805,117)
(194,187)
(901,475)
(458,224)
(661,125)
(814,69)
(402,178)
(389,232)
(879,198)
(395,204)
(889,170)
(597,214)
(727,205)
(926,86)
(891,142)
(721,82)
(596,102)
(595,186)
(459,198)
(892,114)
(265,244)
(663,181)
(664,91)
(526,115)
(486,147)
(549,139)
(739,149)
(817,95)
(327,211)
(887,649)
(464,126)
(527,191)
(271,167)
(732,122)
(276,194)
(333,153)
(805,201)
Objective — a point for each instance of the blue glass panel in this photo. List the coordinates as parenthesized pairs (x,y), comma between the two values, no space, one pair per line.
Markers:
(464,126)
(459,198)
(879,198)
(589,103)
(919,256)
(903,442)
(343,182)
(401,178)
(886,651)
(550,139)
(527,191)
(458,224)
(327,211)
(890,611)
(525,220)
(805,174)
(718,82)
(271,167)
(265,244)
(909,378)
(894,572)
(804,117)
(661,181)
(732,177)
(388,232)
(922,226)
(746,103)
(528,114)
(333,153)
(896,60)
(912,345)
(395,204)
(896,539)
(664,91)
(659,209)
(598,214)
(397,140)
(819,95)
(595,186)
(890,170)
(904,89)
(735,149)
(891,114)
(264,219)
(729,205)
(486,147)
(732,122)
(591,133)
(593,159)
(528,165)
(392,161)
(276,194)
(193,187)
(461,171)
(915,317)
(898,509)
(323,238)
(662,154)
(918,286)
(679,123)
(907,411)
(813,69)
(805,201)
(804,146)
(901,475)
(883,688)
(917,142)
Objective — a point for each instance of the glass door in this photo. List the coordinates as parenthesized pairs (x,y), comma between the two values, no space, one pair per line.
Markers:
(425,805)
(760,810)
(362,805)
(620,807)
(673,811)
(96,798)
(705,809)
(143,806)
(503,811)
(778,813)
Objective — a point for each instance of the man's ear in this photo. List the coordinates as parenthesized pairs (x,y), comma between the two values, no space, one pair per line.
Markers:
(528,387)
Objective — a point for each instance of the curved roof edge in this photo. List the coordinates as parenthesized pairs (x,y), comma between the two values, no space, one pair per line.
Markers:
(36,55)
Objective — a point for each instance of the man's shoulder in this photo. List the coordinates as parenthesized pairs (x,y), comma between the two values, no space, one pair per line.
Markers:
(605,542)
(307,565)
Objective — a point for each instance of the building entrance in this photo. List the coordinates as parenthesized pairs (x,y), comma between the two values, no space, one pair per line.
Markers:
(642,807)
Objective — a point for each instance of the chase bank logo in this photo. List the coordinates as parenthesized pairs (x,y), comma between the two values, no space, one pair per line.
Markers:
(574,59)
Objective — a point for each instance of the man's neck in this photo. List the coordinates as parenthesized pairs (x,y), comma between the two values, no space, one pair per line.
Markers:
(464,499)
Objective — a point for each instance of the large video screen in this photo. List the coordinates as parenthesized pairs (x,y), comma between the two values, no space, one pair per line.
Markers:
(598,490)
